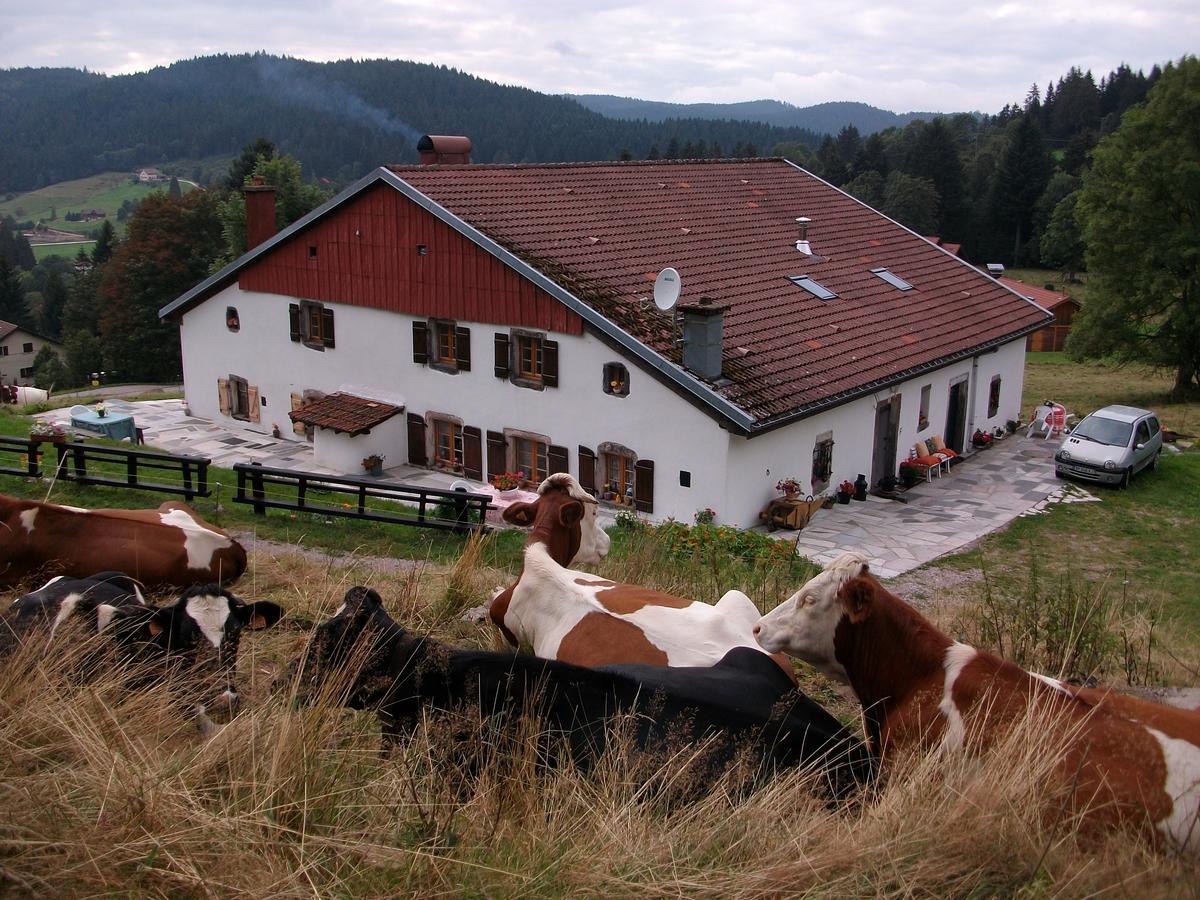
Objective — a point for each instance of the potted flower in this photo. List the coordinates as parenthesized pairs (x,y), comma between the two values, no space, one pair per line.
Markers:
(373,464)
(507,482)
(49,432)
(100,410)
(705,516)
(845,491)
(789,486)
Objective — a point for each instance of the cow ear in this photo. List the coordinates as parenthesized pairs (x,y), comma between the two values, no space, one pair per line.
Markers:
(520,514)
(159,621)
(259,614)
(570,513)
(361,601)
(857,597)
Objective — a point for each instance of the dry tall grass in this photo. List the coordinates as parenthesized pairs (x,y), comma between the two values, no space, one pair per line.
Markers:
(104,790)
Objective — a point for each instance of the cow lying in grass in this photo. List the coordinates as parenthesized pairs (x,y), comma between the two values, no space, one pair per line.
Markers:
(192,642)
(578,618)
(1127,761)
(743,708)
(168,546)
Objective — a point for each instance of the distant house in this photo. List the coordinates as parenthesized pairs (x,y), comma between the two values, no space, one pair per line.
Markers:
(18,348)
(1054,335)
(150,175)
(491,318)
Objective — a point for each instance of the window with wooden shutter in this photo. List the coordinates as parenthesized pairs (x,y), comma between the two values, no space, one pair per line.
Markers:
(503,345)
(327,327)
(239,397)
(462,340)
(223,395)
(643,485)
(559,460)
(497,454)
(472,453)
(531,458)
(416,440)
(297,402)
(587,470)
(445,345)
(420,343)
(253,403)
(550,363)
(294,320)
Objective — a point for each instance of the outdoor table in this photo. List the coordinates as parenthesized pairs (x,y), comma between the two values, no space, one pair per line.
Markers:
(112,425)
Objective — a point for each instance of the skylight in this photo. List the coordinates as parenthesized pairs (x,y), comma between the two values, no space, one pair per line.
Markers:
(815,288)
(891,278)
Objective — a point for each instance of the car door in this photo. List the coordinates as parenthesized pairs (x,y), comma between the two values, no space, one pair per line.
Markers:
(1143,449)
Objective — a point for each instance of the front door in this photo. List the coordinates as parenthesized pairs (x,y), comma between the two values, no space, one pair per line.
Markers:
(956,417)
(887,430)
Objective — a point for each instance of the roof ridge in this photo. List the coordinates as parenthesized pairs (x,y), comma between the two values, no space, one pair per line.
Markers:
(591,163)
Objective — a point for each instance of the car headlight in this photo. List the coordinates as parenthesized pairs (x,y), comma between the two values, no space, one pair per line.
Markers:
(1064,454)
(1109,465)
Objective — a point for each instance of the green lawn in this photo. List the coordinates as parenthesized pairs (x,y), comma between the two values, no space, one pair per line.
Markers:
(105,192)
(70,251)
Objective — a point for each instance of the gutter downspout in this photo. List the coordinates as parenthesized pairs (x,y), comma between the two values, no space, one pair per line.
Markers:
(971,386)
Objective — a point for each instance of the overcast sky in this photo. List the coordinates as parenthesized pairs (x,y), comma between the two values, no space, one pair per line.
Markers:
(941,56)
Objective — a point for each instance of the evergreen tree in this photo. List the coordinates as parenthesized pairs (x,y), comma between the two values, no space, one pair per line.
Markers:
(54,299)
(1062,242)
(867,187)
(243,165)
(849,143)
(82,349)
(80,312)
(653,154)
(12,295)
(934,156)
(1137,210)
(106,243)
(1020,180)
(293,199)
(829,164)
(174,191)
(911,201)
(872,157)
(48,370)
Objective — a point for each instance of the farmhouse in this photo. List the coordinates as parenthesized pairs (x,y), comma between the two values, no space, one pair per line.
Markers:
(1054,335)
(490,318)
(18,349)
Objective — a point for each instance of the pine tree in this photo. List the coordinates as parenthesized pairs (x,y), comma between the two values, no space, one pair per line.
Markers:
(12,294)
(1020,180)
(106,243)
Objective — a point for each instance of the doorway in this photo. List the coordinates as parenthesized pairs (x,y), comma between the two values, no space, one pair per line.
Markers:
(887,432)
(956,417)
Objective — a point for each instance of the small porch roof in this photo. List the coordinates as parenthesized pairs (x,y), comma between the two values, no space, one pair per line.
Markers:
(344,412)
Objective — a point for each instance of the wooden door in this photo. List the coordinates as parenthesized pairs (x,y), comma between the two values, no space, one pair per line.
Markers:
(416,440)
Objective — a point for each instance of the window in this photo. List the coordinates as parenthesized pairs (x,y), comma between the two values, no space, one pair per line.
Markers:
(27,347)
(232,321)
(994,397)
(618,478)
(3,351)
(1154,426)
(311,324)
(822,462)
(26,373)
(442,345)
(239,397)
(530,458)
(816,289)
(685,478)
(616,379)
(1143,434)
(923,415)
(527,359)
(445,346)
(447,444)
(894,280)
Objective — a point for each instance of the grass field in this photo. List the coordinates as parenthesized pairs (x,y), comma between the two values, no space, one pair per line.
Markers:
(1077,290)
(110,791)
(70,251)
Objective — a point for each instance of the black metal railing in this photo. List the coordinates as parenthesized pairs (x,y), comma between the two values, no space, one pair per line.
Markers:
(92,464)
(349,497)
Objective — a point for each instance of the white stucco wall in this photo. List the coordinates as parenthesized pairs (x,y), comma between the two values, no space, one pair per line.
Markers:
(733,475)
(17,357)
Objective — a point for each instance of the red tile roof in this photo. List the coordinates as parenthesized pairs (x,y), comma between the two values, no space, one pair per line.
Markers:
(604,230)
(7,328)
(1041,296)
(344,412)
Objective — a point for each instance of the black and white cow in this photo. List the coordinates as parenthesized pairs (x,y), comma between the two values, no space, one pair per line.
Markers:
(743,707)
(92,600)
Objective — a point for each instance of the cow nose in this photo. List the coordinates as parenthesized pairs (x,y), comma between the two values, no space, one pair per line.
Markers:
(757,629)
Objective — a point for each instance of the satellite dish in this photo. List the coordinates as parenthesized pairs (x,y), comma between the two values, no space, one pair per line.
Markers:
(666,289)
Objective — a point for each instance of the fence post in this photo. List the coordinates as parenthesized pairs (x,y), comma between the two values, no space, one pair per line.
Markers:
(79,460)
(203,488)
(131,470)
(188,493)
(256,491)
(460,511)
(33,459)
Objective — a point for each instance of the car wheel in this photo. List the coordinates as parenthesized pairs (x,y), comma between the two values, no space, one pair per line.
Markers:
(1058,473)
(1125,478)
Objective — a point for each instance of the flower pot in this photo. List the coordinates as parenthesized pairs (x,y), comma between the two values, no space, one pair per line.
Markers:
(789,495)
(843,498)
(48,438)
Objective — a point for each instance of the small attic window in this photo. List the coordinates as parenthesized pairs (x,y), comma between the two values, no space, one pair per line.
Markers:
(893,279)
(817,289)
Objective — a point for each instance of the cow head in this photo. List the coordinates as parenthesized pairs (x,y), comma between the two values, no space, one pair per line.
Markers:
(354,645)
(195,638)
(805,624)
(564,519)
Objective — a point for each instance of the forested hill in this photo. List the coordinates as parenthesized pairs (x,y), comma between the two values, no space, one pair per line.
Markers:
(339,119)
(823,118)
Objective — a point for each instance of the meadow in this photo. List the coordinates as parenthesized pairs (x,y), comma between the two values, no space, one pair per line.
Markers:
(104,790)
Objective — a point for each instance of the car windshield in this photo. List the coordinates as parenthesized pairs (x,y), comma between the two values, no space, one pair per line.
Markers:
(1104,431)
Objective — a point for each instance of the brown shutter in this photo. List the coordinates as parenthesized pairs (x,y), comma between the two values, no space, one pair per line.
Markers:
(643,485)
(297,402)
(497,453)
(223,395)
(472,453)
(462,341)
(416,440)
(558,459)
(420,343)
(294,320)
(327,326)
(502,354)
(252,401)
(587,470)
(550,363)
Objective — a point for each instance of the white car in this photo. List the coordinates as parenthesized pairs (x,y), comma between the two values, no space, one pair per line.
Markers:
(1110,446)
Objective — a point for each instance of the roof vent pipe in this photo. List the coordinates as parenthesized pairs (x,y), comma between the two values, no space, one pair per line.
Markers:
(444,150)
(703,335)
(802,245)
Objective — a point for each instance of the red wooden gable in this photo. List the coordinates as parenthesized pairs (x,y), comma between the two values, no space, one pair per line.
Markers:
(368,253)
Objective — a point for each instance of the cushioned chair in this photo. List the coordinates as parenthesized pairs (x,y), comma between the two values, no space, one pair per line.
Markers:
(925,462)
(78,410)
(937,447)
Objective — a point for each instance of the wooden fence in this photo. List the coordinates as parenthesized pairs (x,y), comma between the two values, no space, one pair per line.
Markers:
(92,464)
(346,496)
(20,456)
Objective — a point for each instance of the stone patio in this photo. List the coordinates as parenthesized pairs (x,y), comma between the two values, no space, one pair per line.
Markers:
(981,494)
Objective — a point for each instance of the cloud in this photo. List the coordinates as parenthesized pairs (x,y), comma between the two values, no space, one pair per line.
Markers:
(899,55)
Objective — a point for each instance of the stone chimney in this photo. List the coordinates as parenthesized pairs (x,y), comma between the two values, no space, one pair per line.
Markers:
(444,150)
(703,332)
(260,212)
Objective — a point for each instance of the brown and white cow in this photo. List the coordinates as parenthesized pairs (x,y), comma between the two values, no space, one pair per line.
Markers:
(579,618)
(168,546)
(1127,761)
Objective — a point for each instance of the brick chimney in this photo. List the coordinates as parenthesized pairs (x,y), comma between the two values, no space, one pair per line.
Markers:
(260,212)
(703,333)
(444,150)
